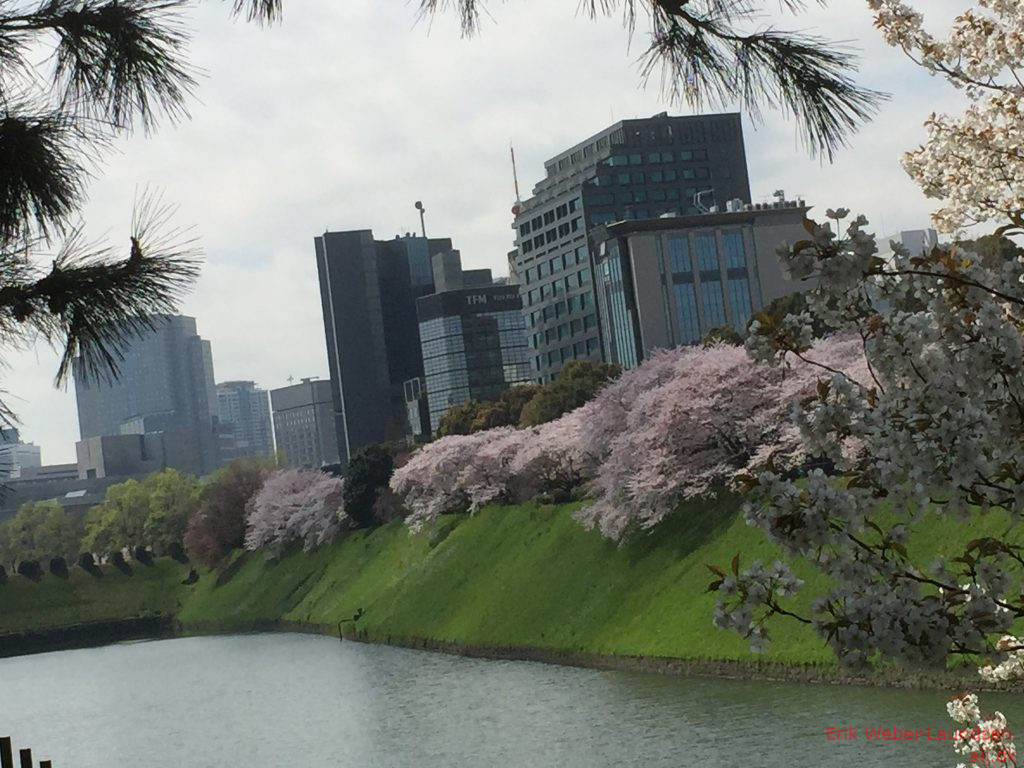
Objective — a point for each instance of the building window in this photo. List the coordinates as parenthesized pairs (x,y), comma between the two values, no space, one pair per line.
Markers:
(732,243)
(714,303)
(679,255)
(707,253)
(686,312)
(739,303)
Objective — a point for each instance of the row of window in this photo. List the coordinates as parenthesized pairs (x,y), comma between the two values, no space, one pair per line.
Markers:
(637,158)
(581,349)
(581,154)
(549,217)
(654,177)
(554,311)
(551,236)
(558,287)
(564,331)
(556,263)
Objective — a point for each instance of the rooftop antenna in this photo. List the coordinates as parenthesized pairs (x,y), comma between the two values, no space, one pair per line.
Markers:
(422,210)
(697,200)
(515,179)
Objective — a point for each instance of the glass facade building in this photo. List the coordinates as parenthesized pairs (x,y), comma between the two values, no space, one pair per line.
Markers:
(633,170)
(473,345)
(662,283)
(166,384)
(368,292)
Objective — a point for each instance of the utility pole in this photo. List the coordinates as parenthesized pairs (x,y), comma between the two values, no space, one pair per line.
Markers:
(422,210)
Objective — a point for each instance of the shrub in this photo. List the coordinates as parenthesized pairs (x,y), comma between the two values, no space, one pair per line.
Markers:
(369,470)
(59,567)
(118,561)
(176,552)
(142,555)
(30,569)
(218,526)
(88,564)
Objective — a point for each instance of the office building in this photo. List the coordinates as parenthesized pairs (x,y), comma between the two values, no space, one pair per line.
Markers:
(16,456)
(134,455)
(304,423)
(472,336)
(635,169)
(165,384)
(665,282)
(244,412)
(368,292)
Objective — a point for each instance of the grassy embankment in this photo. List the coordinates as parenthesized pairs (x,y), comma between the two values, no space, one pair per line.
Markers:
(511,576)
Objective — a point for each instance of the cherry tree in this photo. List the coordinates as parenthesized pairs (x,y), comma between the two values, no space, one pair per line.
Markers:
(940,421)
(295,505)
(683,429)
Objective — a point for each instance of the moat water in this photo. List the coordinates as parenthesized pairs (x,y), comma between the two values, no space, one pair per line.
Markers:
(298,700)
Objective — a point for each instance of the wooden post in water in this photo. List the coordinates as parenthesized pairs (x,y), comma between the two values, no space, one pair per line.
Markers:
(6,753)
(26,758)
(45,764)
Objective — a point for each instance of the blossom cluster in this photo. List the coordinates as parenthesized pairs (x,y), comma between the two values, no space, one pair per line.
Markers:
(303,505)
(973,163)
(678,426)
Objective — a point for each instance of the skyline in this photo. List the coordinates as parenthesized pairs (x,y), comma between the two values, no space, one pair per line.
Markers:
(438,131)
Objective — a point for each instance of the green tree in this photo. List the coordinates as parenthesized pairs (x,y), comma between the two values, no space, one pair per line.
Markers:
(119,520)
(369,470)
(39,531)
(218,525)
(722,334)
(506,410)
(173,498)
(459,419)
(575,384)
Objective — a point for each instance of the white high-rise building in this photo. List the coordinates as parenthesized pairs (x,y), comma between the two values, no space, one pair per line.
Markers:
(16,455)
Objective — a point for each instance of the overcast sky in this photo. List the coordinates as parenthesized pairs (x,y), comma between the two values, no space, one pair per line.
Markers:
(348,112)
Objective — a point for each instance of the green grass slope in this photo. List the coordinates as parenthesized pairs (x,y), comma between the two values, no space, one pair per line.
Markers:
(81,598)
(525,576)
(512,576)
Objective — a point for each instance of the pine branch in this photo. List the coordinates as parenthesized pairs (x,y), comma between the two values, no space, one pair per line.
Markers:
(41,172)
(116,60)
(262,11)
(708,58)
(92,303)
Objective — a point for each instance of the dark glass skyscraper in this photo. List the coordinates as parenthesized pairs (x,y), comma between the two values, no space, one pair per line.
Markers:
(165,384)
(368,291)
(635,169)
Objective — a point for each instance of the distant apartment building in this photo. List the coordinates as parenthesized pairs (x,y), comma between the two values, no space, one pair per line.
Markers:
(368,292)
(304,423)
(15,455)
(244,411)
(666,282)
(634,169)
(471,335)
(165,384)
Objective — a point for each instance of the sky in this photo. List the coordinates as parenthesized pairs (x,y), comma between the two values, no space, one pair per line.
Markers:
(346,113)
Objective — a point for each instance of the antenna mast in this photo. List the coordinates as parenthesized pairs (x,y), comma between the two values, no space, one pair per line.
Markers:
(515,179)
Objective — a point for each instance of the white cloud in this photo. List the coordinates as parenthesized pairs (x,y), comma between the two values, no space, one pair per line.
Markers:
(346,114)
